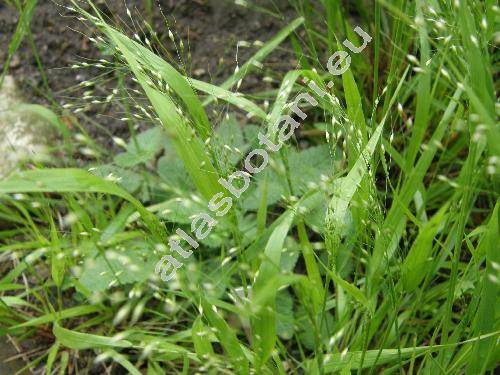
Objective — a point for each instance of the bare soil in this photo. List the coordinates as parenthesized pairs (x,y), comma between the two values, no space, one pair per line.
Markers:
(210,28)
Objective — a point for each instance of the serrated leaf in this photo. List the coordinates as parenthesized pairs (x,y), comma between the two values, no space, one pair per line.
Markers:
(307,166)
(229,134)
(118,267)
(289,255)
(127,179)
(172,171)
(142,149)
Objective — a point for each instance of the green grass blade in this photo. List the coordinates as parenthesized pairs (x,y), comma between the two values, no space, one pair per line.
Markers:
(489,303)
(226,336)
(47,115)
(52,357)
(391,228)
(157,66)
(201,342)
(414,267)
(124,362)
(230,97)
(373,358)
(70,180)
(312,268)
(77,340)
(264,321)
(481,83)
(282,97)
(350,183)
(352,290)
(23,25)
(187,144)
(261,54)
(424,98)
(262,211)
(68,313)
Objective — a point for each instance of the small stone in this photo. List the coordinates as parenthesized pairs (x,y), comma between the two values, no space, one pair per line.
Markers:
(15,62)
(199,72)
(23,135)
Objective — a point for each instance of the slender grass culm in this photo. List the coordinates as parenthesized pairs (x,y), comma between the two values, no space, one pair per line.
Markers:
(365,244)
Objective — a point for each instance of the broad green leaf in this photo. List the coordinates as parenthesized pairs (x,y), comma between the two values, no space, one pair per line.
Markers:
(134,264)
(289,255)
(172,171)
(306,167)
(230,135)
(309,166)
(143,148)
(285,319)
(129,180)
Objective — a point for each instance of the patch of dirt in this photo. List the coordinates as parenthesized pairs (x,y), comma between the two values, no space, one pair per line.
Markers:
(210,29)
(9,361)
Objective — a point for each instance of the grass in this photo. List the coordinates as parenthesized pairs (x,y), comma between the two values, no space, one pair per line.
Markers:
(368,245)
(25,15)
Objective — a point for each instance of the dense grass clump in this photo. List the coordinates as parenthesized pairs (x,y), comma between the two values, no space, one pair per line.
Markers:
(367,245)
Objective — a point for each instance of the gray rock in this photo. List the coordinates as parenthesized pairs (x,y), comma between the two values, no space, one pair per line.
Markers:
(23,136)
